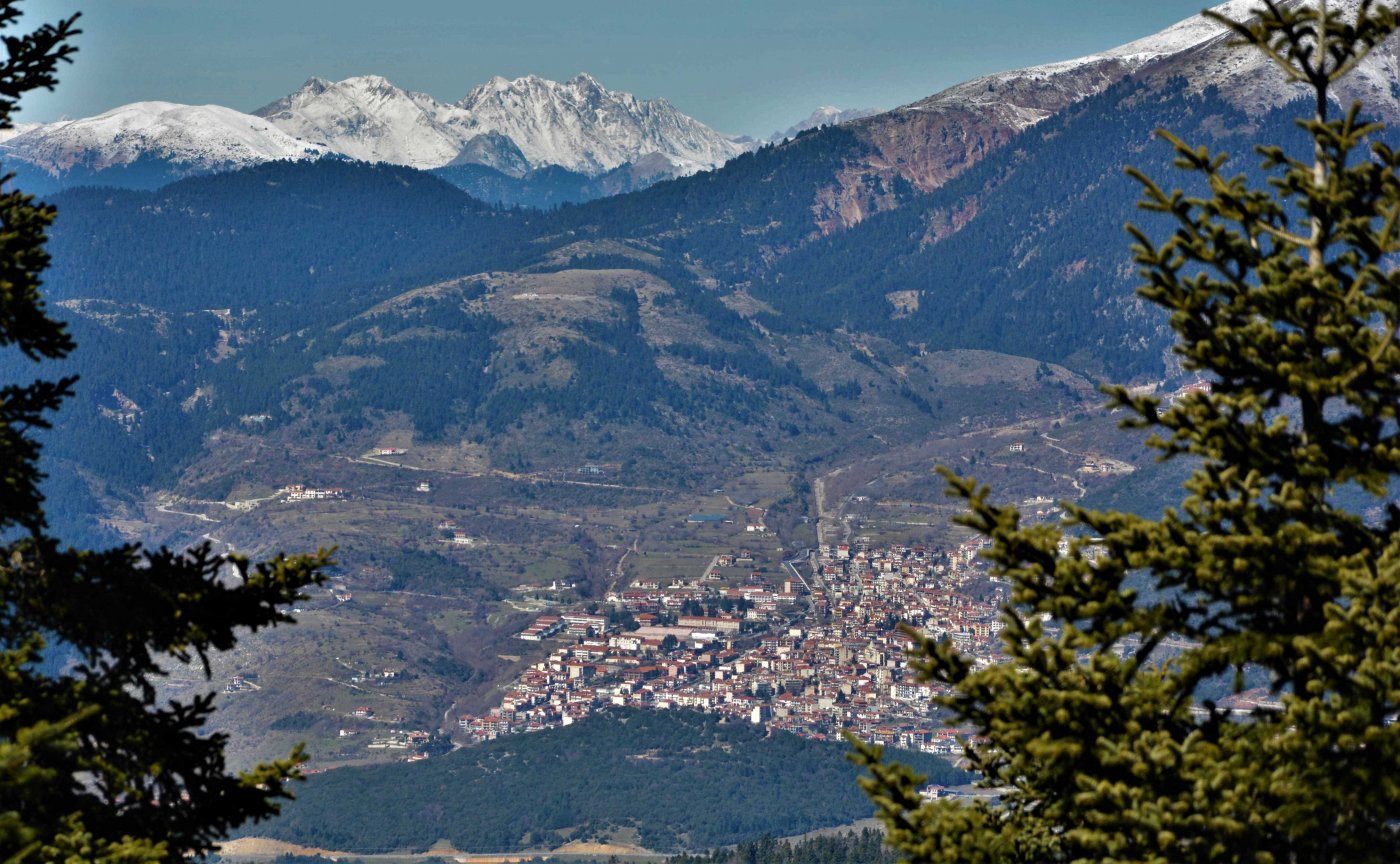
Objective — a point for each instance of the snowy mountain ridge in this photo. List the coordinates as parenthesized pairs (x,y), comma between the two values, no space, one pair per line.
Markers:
(1198,49)
(511,126)
(369,119)
(577,124)
(530,123)
(826,115)
(196,138)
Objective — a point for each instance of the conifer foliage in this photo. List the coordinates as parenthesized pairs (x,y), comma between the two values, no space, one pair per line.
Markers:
(92,766)
(1288,301)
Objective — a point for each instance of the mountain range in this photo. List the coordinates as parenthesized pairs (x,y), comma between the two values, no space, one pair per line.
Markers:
(513,127)
(873,290)
(494,140)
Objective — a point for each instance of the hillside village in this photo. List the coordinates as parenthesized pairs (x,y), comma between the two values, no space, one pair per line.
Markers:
(807,641)
(813,657)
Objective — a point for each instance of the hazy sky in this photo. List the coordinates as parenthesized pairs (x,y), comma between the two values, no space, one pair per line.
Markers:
(741,66)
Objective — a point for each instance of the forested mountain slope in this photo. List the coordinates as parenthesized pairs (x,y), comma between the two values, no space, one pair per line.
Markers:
(295,235)
(670,779)
(1024,253)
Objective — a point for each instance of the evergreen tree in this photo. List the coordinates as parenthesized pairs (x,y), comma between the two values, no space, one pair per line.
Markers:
(1288,301)
(92,767)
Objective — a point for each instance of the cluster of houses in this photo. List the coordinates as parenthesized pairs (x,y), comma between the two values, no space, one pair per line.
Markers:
(570,625)
(239,684)
(126,412)
(1200,385)
(395,739)
(399,739)
(302,492)
(454,535)
(815,658)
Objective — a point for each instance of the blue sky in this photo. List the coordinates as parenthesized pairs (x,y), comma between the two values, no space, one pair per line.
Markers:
(742,67)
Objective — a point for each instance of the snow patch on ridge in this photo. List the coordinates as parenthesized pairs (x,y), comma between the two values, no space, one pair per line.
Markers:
(1197,48)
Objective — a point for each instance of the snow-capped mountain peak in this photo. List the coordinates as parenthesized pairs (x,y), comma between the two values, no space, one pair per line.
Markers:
(366,117)
(826,115)
(1251,81)
(1183,35)
(578,124)
(194,137)
(585,127)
